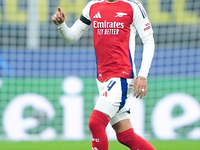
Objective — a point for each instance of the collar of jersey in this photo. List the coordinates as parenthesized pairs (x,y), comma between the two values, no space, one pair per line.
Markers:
(111,2)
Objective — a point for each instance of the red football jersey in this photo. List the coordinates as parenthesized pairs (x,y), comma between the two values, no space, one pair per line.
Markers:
(114,29)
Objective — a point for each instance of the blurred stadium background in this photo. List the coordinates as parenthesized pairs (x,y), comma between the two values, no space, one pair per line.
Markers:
(48,88)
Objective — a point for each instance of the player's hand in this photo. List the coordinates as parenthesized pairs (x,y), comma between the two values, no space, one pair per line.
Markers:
(140,87)
(58,17)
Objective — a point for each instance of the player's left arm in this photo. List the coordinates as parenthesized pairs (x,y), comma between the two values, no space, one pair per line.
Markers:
(144,28)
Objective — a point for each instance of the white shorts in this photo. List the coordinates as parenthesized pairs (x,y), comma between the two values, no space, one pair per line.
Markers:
(113,98)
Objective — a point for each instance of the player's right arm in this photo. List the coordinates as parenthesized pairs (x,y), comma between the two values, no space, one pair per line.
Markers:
(70,35)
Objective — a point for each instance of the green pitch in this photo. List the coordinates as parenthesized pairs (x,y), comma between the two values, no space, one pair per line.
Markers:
(85,145)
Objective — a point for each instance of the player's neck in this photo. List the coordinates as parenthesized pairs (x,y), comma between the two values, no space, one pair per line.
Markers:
(112,0)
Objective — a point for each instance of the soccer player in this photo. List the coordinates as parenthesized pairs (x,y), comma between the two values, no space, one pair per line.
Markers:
(114,23)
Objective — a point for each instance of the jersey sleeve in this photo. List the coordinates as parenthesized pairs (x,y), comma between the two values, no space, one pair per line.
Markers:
(145,31)
(140,20)
(85,16)
(73,34)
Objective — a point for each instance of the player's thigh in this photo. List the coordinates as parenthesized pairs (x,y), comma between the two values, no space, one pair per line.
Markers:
(121,120)
(122,125)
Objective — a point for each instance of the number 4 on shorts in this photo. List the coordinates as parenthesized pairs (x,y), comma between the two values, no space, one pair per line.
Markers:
(111,84)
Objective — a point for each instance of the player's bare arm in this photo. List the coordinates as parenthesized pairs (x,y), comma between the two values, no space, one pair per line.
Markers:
(140,87)
(58,17)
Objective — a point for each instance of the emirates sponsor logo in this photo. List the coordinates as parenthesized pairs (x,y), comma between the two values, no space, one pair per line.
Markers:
(106,24)
(108,28)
